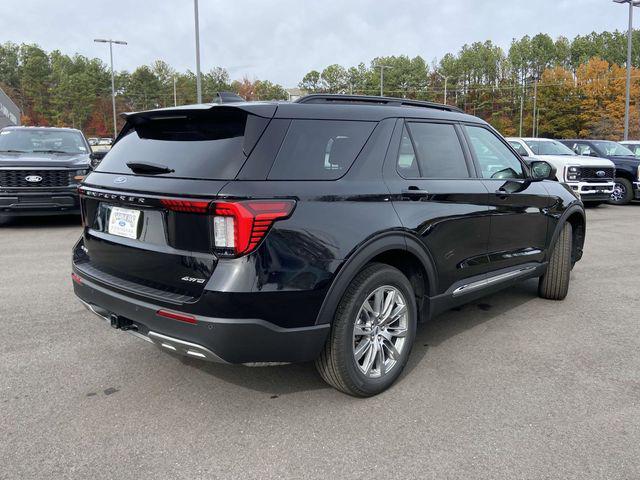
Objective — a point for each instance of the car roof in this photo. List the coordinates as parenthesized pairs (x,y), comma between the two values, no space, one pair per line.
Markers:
(25,127)
(345,107)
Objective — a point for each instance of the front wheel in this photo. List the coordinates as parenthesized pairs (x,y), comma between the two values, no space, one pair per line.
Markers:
(554,284)
(622,192)
(372,333)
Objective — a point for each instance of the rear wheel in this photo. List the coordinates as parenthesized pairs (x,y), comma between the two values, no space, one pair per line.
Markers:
(372,333)
(5,220)
(622,192)
(554,284)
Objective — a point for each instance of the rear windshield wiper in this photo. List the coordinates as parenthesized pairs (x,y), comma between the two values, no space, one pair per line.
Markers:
(150,168)
(13,151)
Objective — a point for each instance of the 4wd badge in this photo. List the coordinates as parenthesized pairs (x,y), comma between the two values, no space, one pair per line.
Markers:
(192,279)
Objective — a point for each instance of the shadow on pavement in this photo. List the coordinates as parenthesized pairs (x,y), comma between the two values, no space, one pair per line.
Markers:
(285,379)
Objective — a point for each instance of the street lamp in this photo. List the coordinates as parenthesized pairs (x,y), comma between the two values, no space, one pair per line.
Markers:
(632,3)
(113,83)
(446,78)
(197,27)
(382,67)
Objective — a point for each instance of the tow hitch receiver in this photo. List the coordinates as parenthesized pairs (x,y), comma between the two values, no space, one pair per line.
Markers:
(121,323)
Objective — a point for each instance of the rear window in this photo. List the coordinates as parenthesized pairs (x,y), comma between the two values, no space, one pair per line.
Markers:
(213,144)
(319,149)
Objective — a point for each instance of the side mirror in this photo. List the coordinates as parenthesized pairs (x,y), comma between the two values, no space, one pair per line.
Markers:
(541,170)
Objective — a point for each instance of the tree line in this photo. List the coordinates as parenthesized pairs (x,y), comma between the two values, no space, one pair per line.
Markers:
(60,90)
(577,86)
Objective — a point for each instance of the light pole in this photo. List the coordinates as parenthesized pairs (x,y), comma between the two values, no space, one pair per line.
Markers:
(632,3)
(175,96)
(198,81)
(382,67)
(446,79)
(113,83)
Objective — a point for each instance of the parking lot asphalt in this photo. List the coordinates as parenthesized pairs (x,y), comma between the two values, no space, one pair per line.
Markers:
(511,386)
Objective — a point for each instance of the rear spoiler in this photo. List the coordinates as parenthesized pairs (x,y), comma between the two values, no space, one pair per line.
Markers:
(260,109)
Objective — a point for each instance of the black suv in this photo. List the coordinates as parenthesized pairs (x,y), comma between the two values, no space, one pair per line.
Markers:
(627,182)
(322,230)
(40,170)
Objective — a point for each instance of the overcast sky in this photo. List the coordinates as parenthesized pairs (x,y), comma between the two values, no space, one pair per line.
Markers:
(281,40)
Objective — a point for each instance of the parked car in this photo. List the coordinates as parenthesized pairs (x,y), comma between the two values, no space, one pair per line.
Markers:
(633,145)
(627,182)
(102,145)
(591,178)
(40,169)
(322,230)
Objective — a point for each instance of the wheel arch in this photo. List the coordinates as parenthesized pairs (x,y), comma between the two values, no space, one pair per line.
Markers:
(576,217)
(397,249)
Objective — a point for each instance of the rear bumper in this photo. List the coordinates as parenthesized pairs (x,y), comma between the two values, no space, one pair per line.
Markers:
(210,338)
(39,202)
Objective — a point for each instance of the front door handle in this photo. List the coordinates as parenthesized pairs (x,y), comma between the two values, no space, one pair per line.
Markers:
(414,192)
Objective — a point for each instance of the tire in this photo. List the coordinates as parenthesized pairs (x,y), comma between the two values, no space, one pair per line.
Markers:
(554,284)
(622,192)
(337,363)
(5,220)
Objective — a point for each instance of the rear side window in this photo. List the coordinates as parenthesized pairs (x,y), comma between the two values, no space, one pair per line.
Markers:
(319,149)
(210,145)
(431,150)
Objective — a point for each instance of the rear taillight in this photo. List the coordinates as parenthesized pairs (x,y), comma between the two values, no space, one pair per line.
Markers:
(192,206)
(238,227)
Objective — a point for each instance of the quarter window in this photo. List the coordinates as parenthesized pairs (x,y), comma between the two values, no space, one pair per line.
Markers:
(319,149)
(495,159)
(431,150)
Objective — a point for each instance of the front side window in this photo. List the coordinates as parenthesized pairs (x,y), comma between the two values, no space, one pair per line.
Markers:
(517,146)
(319,149)
(495,159)
(42,141)
(431,150)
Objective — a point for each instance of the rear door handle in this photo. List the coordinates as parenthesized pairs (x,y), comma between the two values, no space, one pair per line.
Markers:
(414,192)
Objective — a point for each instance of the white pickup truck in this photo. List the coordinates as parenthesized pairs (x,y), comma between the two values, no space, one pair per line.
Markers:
(590,177)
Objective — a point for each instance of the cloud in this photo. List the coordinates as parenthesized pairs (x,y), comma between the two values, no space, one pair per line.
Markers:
(281,40)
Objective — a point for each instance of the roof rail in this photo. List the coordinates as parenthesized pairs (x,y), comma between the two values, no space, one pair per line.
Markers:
(373,100)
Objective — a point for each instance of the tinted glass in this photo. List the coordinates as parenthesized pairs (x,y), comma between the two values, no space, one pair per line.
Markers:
(43,141)
(438,150)
(548,147)
(319,149)
(209,145)
(494,157)
(407,162)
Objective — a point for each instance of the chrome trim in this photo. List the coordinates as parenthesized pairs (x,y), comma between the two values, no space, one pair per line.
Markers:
(93,310)
(491,280)
(181,347)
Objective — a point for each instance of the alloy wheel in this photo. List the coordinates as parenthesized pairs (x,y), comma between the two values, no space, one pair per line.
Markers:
(380,330)
(619,192)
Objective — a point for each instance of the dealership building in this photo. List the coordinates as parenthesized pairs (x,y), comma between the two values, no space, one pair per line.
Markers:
(9,111)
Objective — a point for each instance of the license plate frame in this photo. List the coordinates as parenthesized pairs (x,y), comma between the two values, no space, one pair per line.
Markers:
(123,222)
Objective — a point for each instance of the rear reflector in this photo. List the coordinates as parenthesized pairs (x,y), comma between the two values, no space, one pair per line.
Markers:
(238,227)
(181,317)
(76,278)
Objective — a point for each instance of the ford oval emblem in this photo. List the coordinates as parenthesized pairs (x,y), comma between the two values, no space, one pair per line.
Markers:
(119,179)
(600,173)
(33,178)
